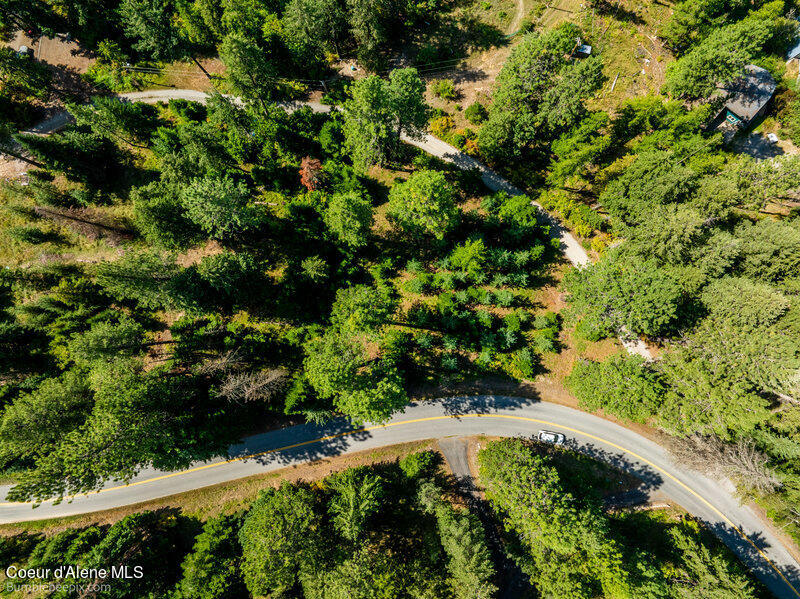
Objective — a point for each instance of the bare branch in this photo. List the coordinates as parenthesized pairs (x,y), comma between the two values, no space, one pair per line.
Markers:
(740,461)
(248,387)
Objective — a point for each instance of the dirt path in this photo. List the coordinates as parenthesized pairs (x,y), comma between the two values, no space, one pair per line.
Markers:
(514,27)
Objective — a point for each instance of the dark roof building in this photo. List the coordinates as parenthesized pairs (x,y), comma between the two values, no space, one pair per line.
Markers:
(747,97)
(794,51)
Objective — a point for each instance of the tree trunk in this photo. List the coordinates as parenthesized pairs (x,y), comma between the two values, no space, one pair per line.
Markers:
(199,66)
(18,156)
(397,141)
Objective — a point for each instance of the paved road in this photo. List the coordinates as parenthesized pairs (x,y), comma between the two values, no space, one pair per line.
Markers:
(709,501)
(573,250)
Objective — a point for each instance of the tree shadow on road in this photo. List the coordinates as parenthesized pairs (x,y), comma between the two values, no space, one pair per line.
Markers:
(482,404)
(747,547)
(651,480)
(301,443)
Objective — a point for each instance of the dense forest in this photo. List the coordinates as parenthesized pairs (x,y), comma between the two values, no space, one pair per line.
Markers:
(709,269)
(396,530)
(178,275)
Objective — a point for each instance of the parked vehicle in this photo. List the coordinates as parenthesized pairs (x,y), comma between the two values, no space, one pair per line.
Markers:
(551,437)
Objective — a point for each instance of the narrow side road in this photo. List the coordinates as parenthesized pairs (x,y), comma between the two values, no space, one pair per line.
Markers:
(512,582)
(571,247)
(709,501)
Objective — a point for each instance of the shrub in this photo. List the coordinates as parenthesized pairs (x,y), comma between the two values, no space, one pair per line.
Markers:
(546,320)
(544,341)
(476,113)
(508,338)
(423,162)
(485,318)
(461,278)
(415,266)
(445,89)
(419,284)
(588,331)
(419,464)
(450,362)
(442,126)
(461,297)
(499,280)
(493,203)
(444,281)
(524,363)
(469,257)
(467,133)
(504,298)
(471,147)
(450,343)
(458,140)
(425,340)
(445,303)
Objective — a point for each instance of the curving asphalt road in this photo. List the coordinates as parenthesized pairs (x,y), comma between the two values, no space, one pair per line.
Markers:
(709,501)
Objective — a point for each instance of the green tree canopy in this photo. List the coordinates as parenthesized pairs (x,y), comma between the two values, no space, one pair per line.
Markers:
(251,70)
(219,206)
(33,425)
(721,57)
(625,294)
(624,386)
(357,495)
(424,204)
(379,111)
(279,537)
(570,547)
(211,570)
(349,216)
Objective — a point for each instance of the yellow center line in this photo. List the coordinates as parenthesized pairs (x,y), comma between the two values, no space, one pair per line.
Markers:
(432,418)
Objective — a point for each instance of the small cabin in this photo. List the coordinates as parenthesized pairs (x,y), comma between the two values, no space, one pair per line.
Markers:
(746,97)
